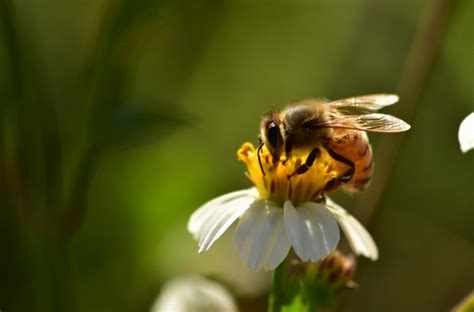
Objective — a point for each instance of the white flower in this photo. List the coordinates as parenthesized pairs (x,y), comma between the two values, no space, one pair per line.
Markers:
(283,210)
(266,231)
(193,294)
(466,133)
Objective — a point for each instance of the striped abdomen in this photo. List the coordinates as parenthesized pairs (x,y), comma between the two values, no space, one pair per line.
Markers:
(353,145)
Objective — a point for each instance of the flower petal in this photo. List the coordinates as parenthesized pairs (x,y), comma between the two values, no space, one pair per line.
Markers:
(466,133)
(312,230)
(358,237)
(208,209)
(260,237)
(210,221)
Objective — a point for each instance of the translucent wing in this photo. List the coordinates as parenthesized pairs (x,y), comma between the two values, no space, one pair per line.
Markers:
(365,103)
(369,122)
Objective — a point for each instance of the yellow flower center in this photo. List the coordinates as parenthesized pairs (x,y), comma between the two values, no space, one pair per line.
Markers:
(280,183)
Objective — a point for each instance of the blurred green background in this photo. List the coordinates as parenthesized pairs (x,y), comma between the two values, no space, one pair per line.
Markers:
(120,118)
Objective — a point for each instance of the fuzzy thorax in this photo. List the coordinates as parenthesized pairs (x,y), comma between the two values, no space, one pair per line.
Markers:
(279,184)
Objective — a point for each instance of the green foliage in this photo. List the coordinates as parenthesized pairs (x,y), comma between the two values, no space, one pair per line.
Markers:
(125,127)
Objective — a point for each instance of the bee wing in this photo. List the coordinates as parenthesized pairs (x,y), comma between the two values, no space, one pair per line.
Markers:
(367,103)
(369,122)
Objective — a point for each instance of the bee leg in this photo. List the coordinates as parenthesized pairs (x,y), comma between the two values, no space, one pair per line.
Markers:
(349,172)
(315,153)
(332,185)
(259,159)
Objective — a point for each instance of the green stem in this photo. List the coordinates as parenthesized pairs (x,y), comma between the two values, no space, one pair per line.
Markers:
(277,288)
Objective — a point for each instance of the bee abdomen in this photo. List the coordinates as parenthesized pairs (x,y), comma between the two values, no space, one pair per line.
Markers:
(354,145)
(364,168)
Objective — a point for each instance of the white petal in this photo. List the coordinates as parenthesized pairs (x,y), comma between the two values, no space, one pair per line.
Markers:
(260,237)
(466,133)
(208,209)
(359,239)
(312,230)
(210,221)
(281,247)
(248,227)
(218,223)
(292,224)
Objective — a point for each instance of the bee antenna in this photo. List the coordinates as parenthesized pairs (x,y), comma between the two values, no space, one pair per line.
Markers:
(259,159)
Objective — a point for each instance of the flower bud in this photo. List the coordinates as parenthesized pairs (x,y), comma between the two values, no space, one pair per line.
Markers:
(337,270)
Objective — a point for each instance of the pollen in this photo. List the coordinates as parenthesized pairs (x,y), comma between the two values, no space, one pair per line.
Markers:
(280,181)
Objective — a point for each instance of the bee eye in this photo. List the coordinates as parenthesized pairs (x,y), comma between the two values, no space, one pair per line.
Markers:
(273,135)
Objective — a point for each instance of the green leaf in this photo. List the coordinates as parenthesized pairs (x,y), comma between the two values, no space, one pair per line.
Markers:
(125,126)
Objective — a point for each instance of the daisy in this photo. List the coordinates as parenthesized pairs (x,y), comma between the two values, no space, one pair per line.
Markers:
(281,212)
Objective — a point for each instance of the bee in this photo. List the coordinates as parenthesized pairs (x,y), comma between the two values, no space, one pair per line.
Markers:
(338,126)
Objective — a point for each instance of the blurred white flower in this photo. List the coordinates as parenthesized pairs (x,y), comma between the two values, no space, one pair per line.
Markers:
(193,294)
(266,230)
(466,133)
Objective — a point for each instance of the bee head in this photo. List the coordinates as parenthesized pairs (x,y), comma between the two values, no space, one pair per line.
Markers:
(271,134)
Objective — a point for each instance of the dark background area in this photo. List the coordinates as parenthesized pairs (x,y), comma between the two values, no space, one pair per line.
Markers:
(119,118)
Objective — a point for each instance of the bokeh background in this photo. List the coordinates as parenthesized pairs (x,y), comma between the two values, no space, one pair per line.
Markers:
(119,118)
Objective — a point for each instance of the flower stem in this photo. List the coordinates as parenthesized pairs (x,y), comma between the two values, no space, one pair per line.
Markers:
(276,296)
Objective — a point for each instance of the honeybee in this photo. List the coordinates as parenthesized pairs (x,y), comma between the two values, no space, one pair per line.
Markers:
(339,126)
